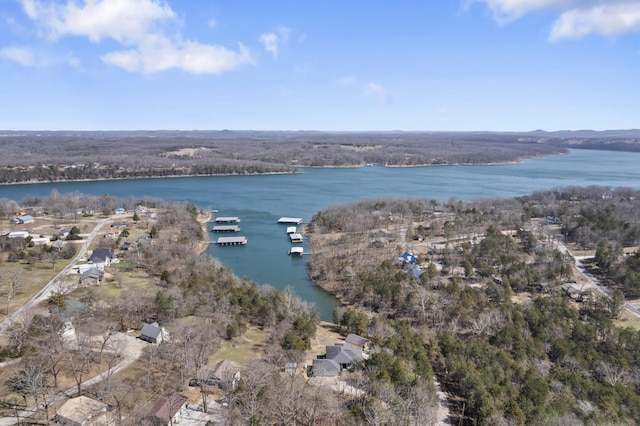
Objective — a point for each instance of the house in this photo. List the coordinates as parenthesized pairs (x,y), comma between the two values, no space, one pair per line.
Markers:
(91,276)
(153,333)
(84,411)
(39,241)
(407,257)
(338,356)
(119,210)
(225,374)
(102,257)
(345,355)
(168,410)
(358,342)
(20,220)
(17,234)
(112,234)
(323,367)
(57,244)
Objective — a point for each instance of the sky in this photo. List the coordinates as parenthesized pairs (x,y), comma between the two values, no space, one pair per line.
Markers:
(326,65)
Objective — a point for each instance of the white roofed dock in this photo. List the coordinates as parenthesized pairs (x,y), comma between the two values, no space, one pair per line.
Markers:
(290,220)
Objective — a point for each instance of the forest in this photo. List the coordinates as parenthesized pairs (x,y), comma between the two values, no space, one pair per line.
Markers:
(61,156)
(487,297)
(482,309)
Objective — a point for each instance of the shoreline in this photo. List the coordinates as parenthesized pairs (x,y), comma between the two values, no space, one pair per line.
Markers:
(39,182)
(297,170)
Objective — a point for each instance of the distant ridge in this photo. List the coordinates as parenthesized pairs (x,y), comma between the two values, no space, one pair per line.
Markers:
(588,134)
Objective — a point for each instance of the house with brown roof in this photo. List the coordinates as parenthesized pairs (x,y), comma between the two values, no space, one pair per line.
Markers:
(225,374)
(168,410)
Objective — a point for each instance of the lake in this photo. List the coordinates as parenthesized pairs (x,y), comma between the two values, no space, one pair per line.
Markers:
(260,200)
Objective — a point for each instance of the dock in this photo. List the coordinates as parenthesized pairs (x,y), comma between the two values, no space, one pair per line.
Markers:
(291,230)
(296,251)
(226,228)
(290,220)
(231,241)
(227,219)
(295,237)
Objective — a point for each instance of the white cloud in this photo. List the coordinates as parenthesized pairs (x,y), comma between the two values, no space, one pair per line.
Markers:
(577,18)
(272,42)
(378,91)
(347,81)
(608,20)
(147,28)
(22,55)
(505,11)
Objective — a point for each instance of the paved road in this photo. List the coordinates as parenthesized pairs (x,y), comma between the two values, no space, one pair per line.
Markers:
(130,347)
(49,288)
(593,281)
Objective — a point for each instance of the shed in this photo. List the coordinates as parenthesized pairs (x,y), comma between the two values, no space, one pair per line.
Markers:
(83,411)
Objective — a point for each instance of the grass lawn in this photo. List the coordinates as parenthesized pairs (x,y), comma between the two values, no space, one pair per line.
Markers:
(632,324)
(241,349)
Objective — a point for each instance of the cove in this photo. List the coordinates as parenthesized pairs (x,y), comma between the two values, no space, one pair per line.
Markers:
(260,200)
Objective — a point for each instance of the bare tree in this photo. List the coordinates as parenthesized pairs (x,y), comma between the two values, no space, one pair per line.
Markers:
(12,281)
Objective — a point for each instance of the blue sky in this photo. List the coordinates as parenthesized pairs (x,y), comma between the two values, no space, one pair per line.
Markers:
(438,65)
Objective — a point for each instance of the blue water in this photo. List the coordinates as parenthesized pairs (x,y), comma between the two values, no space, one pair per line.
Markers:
(260,200)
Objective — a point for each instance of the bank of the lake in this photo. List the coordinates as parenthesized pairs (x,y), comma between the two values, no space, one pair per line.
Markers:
(260,200)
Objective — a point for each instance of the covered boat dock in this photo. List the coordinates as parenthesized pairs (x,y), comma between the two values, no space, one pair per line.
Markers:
(290,220)
(231,241)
